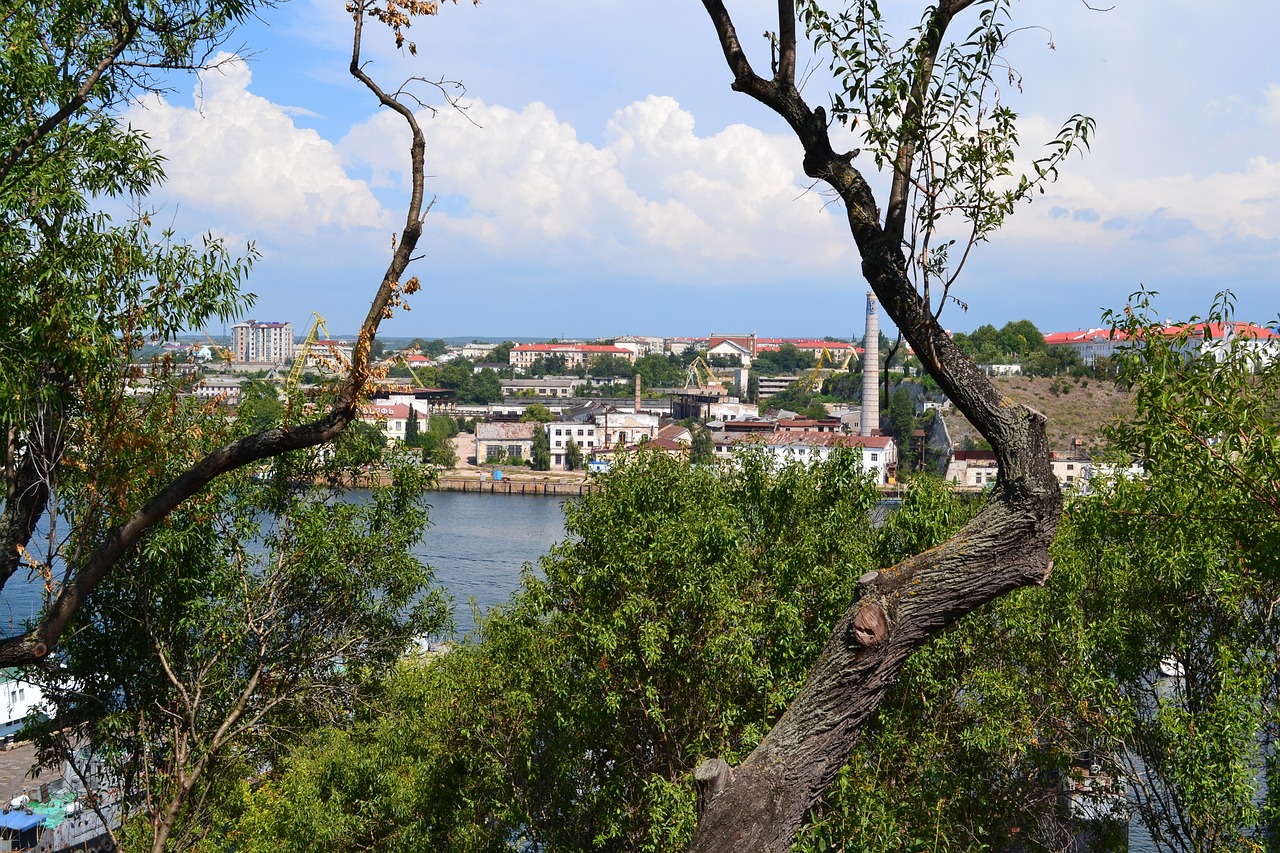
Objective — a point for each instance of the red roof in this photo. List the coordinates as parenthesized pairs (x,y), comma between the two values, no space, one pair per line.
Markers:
(595,349)
(822,439)
(1216,331)
(389,411)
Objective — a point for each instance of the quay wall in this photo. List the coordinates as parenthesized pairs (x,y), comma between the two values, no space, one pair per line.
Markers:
(515,487)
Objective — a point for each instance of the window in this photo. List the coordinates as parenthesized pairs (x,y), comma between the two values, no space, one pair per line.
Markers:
(579,432)
(513,451)
(558,432)
(559,459)
(1070,467)
(591,444)
(492,452)
(875,457)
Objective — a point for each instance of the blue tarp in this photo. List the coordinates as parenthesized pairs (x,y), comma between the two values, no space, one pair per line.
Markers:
(20,820)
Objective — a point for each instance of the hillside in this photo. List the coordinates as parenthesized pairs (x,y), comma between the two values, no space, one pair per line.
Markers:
(1079,409)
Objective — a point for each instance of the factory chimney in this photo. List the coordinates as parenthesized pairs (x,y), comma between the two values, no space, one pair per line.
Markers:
(637,393)
(871,369)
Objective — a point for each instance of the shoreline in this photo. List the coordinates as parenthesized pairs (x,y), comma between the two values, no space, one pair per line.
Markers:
(484,483)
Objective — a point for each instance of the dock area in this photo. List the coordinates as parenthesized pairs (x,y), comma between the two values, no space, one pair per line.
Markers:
(15,768)
(554,486)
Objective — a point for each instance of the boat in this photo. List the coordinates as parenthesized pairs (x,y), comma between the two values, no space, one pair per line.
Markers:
(59,821)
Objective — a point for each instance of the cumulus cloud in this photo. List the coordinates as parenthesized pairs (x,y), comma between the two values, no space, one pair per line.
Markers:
(653,197)
(240,159)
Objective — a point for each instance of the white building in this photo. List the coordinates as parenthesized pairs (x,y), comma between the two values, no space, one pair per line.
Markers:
(586,435)
(879,452)
(523,356)
(262,343)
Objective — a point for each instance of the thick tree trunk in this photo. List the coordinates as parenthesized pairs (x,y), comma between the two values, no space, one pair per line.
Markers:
(760,804)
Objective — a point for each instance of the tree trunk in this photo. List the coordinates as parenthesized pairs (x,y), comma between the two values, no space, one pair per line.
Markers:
(761,804)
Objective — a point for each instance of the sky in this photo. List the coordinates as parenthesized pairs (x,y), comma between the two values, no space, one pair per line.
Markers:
(602,178)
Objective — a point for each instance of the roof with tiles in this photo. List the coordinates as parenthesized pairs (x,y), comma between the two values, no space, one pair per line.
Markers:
(505,431)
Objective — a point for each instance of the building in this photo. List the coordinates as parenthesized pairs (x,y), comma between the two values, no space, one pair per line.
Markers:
(586,435)
(330,354)
(476,351)
(262,343)
(1260,344)
(641,345)
(561,387)
(391,418)
(879,452)
(972,469)
(499,441)
(575,355)
(223,390)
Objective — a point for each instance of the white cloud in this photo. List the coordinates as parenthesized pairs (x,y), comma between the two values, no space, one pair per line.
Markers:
(655,197)
(1270,112)
(240,159)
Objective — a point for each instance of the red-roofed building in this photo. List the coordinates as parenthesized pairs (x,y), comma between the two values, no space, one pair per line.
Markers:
(1216,339)
(524,355)
(389,417)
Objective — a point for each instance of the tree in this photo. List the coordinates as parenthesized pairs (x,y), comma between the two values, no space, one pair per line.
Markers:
(674,620)
(572,455)
(102,292)
(1189,547)
(537,413)
(901,417)
(929,111)
(437,445)
(411,436)
(233,638)
(259,406)
(702,449)
(541,454)
(481,388)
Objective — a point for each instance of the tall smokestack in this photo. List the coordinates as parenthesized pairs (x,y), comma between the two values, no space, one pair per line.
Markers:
(871,369)
(637,393)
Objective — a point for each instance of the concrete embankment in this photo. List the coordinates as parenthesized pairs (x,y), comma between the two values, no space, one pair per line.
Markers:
(488,485)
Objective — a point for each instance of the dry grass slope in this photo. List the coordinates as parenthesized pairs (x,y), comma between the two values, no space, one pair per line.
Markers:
(1076,408)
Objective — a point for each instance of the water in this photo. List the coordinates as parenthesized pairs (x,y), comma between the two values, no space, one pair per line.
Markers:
(476,543)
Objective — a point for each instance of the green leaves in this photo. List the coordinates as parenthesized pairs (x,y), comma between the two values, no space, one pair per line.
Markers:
(934,112)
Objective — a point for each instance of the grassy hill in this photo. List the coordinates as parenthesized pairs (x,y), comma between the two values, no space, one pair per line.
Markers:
(1076,408)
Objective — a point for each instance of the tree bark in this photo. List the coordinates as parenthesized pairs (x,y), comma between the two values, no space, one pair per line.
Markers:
(761,804)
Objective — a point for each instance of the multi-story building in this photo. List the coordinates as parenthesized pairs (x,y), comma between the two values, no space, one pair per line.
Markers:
(574,355)
(262,343)
(587,436)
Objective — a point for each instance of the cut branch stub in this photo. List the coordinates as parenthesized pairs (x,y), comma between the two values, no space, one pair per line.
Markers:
(870,626)
(710,777)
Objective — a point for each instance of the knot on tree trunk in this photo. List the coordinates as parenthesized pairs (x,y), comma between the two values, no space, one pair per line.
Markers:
(870,626)
(710,777)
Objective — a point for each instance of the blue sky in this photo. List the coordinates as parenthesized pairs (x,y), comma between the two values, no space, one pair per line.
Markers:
(605,179)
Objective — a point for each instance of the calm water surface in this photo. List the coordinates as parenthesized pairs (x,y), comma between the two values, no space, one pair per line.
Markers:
(476,543)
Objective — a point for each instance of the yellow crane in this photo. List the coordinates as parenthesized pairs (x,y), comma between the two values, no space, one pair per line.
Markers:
(699,376)
(825,354)
(304,352)
(225,353)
